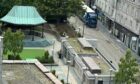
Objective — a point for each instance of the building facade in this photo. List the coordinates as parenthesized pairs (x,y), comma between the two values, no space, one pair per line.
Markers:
(121,17)
(90,2)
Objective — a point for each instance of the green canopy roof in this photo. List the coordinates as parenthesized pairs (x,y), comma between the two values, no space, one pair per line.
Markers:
(23,15)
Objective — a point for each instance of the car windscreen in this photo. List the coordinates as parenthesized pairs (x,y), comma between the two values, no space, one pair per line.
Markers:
(93,15)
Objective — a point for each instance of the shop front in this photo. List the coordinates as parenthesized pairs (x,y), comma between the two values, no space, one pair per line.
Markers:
(106,21)
(129,38)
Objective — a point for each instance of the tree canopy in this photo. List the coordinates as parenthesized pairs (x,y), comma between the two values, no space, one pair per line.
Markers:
(128,68)
(13,42)
(46,8)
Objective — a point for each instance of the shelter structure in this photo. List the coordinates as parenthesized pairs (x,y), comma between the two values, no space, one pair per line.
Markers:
(24,16)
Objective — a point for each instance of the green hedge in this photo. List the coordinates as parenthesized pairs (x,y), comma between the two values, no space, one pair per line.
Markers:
(46,58)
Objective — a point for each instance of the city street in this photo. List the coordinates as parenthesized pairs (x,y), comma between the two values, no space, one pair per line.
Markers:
(105,44)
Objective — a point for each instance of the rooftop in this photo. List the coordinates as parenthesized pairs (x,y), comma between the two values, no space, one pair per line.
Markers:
(21,72)
(23,15)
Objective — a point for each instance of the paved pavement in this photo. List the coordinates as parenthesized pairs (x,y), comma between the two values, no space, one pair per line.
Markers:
(105,44)
(111,48)
(117,42)
(108,45)
(62,71)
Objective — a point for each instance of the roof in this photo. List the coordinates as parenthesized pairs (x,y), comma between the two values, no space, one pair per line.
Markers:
(29,71)
(23,15)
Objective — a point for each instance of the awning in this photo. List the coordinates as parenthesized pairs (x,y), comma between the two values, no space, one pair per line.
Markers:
(23,15)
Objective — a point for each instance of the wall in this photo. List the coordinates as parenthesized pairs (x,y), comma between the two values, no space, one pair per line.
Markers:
(124,12)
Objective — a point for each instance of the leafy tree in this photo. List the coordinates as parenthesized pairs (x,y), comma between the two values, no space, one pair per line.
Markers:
(62,8)
(6,5)
(46,55)
(17,42)
(13,42)
(128,68)
(7,41)
(48,8)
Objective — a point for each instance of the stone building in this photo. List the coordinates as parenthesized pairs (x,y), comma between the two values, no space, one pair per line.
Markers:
(121,17)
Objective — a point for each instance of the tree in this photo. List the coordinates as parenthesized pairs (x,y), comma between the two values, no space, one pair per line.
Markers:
(5,6)
(63,8)
(51,10)
(128,68)
(56,9)
(6,41)
(13,42)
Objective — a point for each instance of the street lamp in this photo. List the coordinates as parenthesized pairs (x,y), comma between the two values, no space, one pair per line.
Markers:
(53,47)
(83,77)
(1,50)
(53,52)
(68,62)
(84,25)
(110,75)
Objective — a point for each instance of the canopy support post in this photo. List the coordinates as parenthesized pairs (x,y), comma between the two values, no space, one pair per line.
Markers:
(33,34)
(42,31)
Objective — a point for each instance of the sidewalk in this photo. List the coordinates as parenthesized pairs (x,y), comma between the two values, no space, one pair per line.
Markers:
(120,44)
(108,45)
(62,71)
(105,45)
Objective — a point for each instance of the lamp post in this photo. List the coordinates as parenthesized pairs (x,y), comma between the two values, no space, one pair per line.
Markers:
(78,31)
(53,52)
(53,47)
(1,51)
(110,75)
(68,62)
(84,25)
(83,77)
(96,78)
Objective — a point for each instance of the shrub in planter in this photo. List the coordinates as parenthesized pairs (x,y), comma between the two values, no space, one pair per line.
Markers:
(50,60)
(38,58)
(62,80)
(59,54)
(46,54)
(53,72)
(79,34)
(41,59)
(18,57)
(46,58)
(10,57)
(56,76)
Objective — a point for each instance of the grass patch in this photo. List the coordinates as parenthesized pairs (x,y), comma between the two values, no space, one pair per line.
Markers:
(30,53)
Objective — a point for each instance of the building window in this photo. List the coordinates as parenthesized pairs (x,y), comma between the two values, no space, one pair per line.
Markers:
(133,0)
